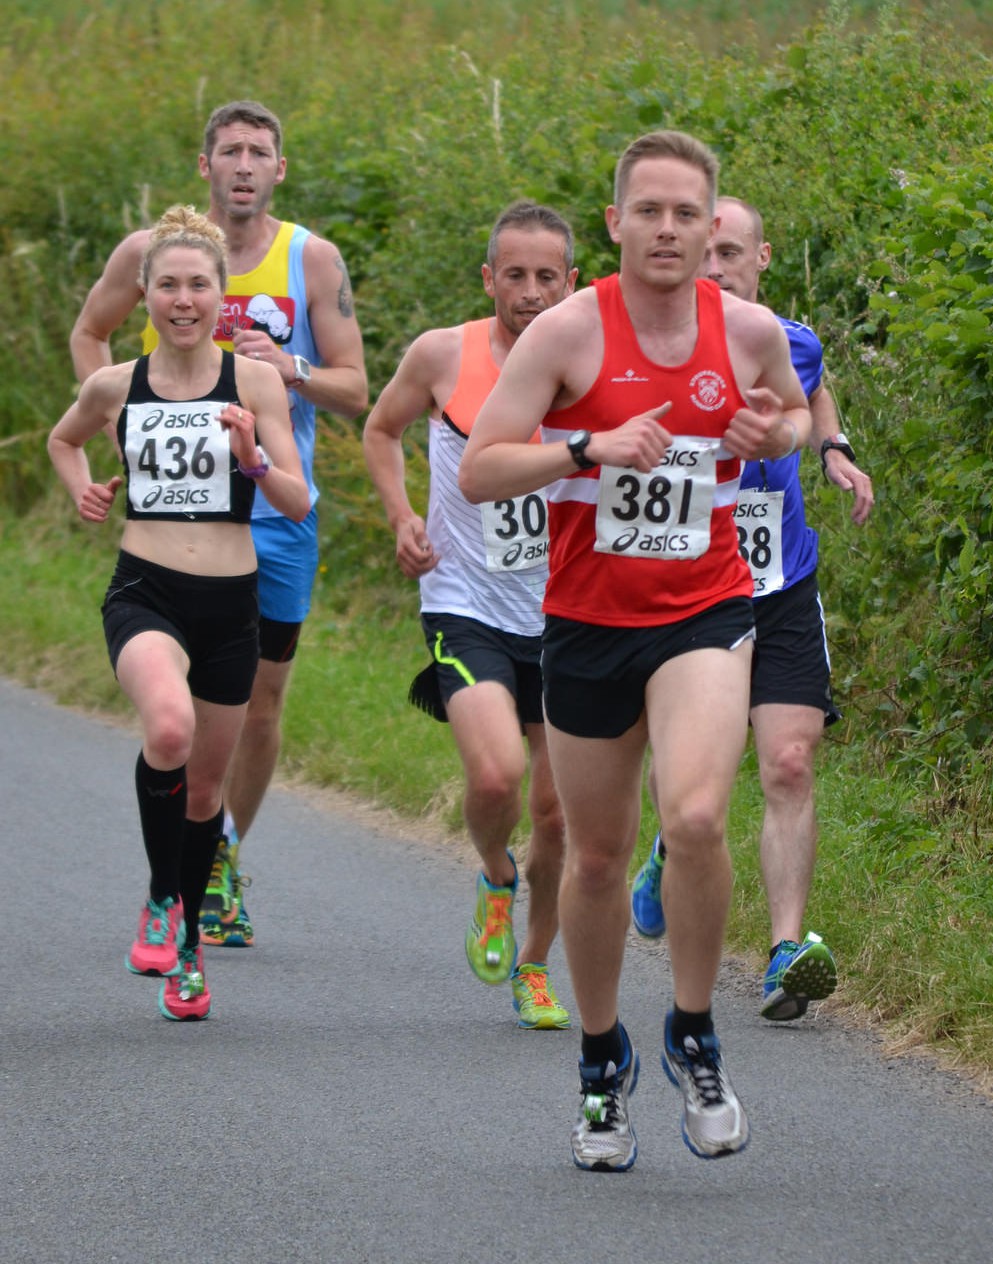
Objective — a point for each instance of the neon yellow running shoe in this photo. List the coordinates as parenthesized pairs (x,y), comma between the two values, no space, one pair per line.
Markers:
(489,941)
(535,999)
(219,907)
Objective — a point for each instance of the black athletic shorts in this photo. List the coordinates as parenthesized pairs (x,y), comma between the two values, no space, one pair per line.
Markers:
(278,641)
(791,663)
(215,618)
(465,652)
(595,677)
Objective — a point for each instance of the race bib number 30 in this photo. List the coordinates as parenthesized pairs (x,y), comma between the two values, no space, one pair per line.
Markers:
(179,458)
(758,516)
(515,533)
(662,514)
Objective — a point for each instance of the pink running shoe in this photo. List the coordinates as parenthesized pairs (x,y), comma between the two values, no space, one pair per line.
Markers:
(185,995)
(160,929)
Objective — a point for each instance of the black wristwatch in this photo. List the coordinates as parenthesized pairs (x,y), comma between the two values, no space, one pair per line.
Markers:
(577,444)
(839,442)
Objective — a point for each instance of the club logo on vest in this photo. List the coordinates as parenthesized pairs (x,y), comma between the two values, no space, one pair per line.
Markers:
(256,311)
(708,390)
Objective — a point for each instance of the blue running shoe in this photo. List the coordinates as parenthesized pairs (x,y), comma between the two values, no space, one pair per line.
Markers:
(646,894)
(797,973)
(714,1120)
(602,1138)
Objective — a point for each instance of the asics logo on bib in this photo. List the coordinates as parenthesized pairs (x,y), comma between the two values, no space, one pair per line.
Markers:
(644,542)
(175,497)
(174,421)
(760,510)
(688,459)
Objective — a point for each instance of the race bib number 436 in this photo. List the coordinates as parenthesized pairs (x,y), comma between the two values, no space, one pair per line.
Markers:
(179,458)
(662,514)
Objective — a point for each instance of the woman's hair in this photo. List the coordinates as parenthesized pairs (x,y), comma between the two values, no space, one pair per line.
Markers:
(185,226)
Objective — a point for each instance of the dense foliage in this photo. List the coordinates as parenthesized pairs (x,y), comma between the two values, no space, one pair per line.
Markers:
(864,135)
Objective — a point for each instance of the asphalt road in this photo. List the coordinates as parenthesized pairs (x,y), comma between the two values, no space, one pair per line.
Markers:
(357,1095)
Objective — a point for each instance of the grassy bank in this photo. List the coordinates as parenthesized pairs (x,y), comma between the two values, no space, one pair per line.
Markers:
(905,903)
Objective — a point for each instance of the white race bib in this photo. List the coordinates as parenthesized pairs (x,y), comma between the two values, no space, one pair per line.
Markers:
(515,533)
(179,458)
(758,516)
(665,513)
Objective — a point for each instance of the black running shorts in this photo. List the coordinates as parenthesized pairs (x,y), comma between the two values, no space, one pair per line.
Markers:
(215,618)
(595,677)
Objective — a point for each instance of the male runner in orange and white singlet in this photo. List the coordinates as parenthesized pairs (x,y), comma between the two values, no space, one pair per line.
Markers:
(288,301)
(650,389)
(482,572)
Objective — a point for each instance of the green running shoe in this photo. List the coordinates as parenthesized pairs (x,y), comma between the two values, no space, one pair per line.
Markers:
(489,941)
(237,933)
(535,999)
(219,906)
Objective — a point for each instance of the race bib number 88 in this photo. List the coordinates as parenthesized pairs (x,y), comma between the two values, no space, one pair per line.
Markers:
(663,514)
(758,516)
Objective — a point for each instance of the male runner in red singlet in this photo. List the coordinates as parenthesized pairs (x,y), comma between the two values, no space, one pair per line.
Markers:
(653,387)
(482,573)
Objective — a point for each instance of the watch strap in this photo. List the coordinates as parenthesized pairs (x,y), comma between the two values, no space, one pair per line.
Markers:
(838,443)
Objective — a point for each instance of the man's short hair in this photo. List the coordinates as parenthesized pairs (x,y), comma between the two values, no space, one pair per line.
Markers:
(531,215)
(753,213)
(666,145)
(250,112)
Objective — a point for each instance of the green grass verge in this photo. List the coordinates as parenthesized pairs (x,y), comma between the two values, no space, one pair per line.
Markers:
(906,902)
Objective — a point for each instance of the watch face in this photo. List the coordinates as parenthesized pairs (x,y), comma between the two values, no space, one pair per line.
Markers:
(302,368)
(579,438)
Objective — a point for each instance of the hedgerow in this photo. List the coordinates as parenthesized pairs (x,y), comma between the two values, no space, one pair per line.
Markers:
(864,135)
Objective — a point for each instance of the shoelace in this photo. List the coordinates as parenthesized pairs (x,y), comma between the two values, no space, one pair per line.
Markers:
(537,984)
(497,916)
(217,869)
(157,925)
(239,882)
(705,1071)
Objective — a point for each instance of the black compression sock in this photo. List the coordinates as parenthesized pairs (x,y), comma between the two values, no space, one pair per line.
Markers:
(162,811)
(199,847)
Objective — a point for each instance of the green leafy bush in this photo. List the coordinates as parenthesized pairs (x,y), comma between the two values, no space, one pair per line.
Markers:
(931,350)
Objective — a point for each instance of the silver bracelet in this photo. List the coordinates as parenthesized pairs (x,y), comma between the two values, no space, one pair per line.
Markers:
(792,448)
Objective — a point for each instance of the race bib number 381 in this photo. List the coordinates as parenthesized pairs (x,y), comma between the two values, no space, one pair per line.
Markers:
(662,514)
(179,458)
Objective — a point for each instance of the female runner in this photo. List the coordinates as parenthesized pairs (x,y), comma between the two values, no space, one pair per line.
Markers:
(199,430)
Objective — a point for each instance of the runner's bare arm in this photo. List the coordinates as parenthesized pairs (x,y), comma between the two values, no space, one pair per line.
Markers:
(112,299)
